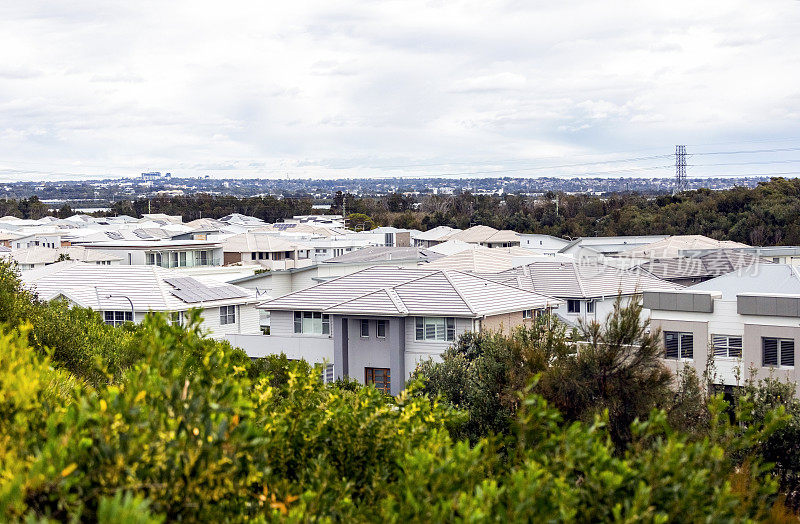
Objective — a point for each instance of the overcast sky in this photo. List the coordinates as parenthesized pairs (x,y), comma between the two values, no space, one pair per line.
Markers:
(342,89)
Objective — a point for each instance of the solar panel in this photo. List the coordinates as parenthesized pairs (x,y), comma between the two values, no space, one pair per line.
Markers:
(141,234)
(191,290)
(281,226)
(113,235)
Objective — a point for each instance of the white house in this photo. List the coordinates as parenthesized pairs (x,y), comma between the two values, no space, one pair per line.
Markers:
(747,319)
(588,290)
(124,293)
(377,324)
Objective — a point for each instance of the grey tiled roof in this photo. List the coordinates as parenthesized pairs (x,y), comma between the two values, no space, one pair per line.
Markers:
(394,291)
(581,280)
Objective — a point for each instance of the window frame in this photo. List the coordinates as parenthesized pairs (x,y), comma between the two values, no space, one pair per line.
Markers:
(590,304)
(425,326)
(779,352)
(723,342)
(380,325)
(306,323)
(363,328)
(117,317)
(573,302)
(682,352)
(227,315)
(527,314)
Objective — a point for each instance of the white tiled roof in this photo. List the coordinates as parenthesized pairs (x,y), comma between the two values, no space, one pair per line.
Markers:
(397,291)
(671,247)
(486,260)
(88,285)
(258,242)
(582,280)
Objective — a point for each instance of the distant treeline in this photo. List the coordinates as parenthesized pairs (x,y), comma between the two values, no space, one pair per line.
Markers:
(764,215)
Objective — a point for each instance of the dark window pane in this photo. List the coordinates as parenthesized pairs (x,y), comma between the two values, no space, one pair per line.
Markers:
(787,352)
(769,354)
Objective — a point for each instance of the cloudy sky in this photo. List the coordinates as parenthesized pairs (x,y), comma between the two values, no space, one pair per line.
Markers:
(344,89)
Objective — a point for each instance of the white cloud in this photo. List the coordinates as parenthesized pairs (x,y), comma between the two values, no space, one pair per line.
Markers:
(317,89)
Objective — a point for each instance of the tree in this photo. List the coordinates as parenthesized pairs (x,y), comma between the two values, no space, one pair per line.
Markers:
(618,369)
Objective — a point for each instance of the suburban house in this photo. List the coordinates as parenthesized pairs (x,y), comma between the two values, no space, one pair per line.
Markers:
(699,268)
(486,236)
(124,293)
(597,248)
(588,290)
(270,251)
(274,284)
(163,253)
(542,244)
(496,260)
(748,319)
(675,246)
(434,236)
(375,325)
(39,256)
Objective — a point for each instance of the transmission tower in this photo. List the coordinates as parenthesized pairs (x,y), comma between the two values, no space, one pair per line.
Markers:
(680,169)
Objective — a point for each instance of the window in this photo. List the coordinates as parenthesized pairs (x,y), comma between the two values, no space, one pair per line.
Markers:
(117,318)
(777,352)
(590,306)
(261,256)
(435,328)
(388,239)
(253,255)
(173,259)
(327,374)
(176,318)
(183,259)
(381,329)
(527,313)
(227,315)
(151,259)
(364,327)
(678,345)
(311,323)
(573,306)
(379,377)
(726,346)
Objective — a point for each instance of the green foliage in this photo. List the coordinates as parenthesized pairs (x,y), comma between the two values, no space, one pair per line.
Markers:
(483,374)
(360,222)
(187,429)
(618,369)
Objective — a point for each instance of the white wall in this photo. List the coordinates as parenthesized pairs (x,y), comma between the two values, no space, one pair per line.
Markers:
(420,350)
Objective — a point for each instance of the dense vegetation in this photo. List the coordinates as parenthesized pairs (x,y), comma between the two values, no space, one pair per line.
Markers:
(186,428)
(764,215)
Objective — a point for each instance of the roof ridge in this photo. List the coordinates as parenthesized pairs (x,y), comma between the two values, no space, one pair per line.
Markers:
(446,275)
(579,279)
(473,275)
(368,293)
(395,298)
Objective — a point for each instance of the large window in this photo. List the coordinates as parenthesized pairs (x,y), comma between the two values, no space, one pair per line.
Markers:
(176,318)
(678,345)
(590,306)
(311,323)
(117,318)
(380,377)
(364,328)
(527,313)
(777,352)
(380,331)
(227,315)
(573,306)
(726,346)
(436,328)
